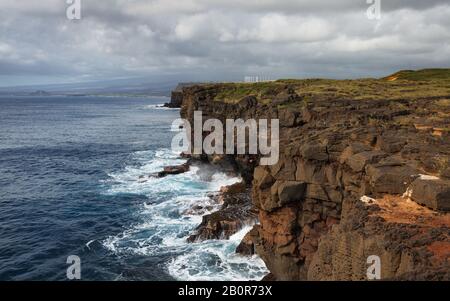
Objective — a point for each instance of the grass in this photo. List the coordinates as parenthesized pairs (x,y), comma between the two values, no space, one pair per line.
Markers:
(265,91)
(406,85)
(421,75)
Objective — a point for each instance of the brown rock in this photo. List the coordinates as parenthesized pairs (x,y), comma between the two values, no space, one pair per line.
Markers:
(314,152)
(324,193)
(311,172)
(269,277)
(237,211)
(247,245)
(390,179)
(218,225)
(287,118)
(433,193)
(359,161)
(391,143)
(354,148)
(334,143)
(238,187)
(291,191)
(262,178)
(446,173)
(332,221)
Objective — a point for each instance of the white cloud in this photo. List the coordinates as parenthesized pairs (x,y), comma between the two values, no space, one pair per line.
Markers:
(290,29)
(223,37)
(5,49)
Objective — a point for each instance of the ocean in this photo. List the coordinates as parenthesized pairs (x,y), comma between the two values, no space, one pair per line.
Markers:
(70,184)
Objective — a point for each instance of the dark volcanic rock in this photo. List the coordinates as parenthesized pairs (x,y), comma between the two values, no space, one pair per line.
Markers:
(175,100)
(168,170)
(173,170)
(236,212)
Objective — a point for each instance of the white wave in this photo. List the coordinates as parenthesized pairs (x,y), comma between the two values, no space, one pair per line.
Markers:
(221,179)
(159,107)
(237,237)
(137,179)
(217,260)
(174,209)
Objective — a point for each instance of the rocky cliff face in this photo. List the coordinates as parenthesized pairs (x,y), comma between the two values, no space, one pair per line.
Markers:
(176,96)
(358,175)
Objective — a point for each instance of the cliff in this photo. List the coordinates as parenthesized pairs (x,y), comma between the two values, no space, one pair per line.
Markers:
(176,96)
(363,171)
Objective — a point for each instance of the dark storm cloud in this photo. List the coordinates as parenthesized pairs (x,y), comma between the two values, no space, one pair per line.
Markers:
(220,39)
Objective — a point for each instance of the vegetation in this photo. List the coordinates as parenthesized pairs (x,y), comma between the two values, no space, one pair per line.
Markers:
(264,91)
(425,74)
(400,85)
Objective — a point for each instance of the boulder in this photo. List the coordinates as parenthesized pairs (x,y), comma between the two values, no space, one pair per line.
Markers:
(173,170)
(291,191)
(359,161)
(238,187)
(217,225)
(262,178)
(287,118)
(354,148)
(308,171)
(236,211)
(391,144)
(324,193)
(316,152)
(432,193)
(282,193)
(247,245)
(390,179)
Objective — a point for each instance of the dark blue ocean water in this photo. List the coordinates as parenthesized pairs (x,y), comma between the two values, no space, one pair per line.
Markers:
(69,185)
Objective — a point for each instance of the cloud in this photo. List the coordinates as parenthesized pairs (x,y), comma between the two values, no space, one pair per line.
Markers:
(222,39)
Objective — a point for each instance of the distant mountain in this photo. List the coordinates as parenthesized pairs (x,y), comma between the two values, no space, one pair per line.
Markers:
(40,93)
(139,87)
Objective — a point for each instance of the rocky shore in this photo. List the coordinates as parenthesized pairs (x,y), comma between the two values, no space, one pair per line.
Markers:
(236,208)
(363,171)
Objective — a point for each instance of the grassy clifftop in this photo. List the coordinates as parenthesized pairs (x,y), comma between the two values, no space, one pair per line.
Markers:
(401,85)
(420,75)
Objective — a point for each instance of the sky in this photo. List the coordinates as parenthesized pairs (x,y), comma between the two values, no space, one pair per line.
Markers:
(218,40)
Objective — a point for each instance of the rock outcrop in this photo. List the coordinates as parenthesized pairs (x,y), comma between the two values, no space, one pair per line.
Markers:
(360,173)
(176,97)
(236,211)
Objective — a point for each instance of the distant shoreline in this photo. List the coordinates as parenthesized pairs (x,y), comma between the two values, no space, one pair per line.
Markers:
(83,95)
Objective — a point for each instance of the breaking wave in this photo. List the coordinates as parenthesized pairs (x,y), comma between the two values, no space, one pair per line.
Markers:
(167,219)
(159,107)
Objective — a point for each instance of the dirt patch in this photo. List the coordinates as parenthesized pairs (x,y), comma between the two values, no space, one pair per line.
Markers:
(440,250)
(396,209)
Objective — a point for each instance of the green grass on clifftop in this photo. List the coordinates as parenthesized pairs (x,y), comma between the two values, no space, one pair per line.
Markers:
(425,74)
(401,85)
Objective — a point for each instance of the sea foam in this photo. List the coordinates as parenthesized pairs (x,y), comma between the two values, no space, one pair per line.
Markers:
(167,220)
